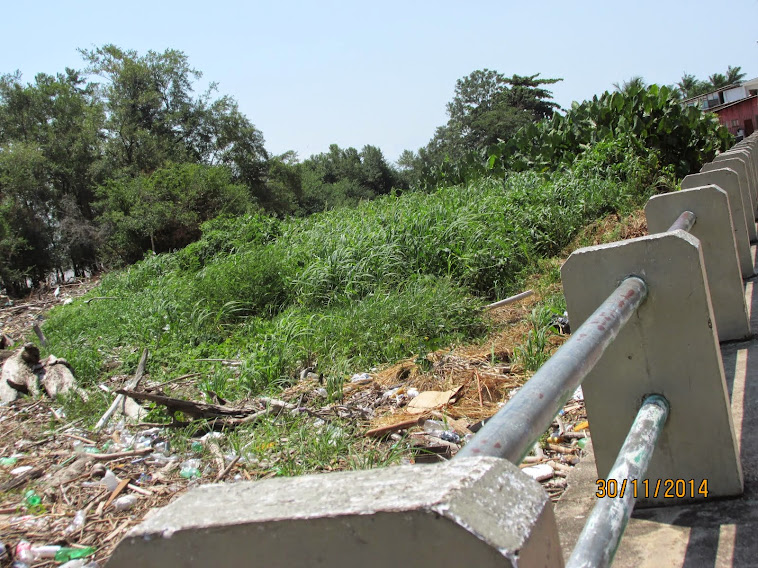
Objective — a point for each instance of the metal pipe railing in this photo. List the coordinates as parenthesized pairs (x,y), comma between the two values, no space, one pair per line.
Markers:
(512,432)
(603,530)
(684,222)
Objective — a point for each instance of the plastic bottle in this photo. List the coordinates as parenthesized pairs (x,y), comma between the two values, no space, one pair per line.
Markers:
(8,461)
(65,554)
(31,498)
(77,524)
(190,469)
(39,552)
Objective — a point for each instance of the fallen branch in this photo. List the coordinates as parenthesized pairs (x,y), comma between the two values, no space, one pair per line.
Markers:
(120,398)
(197,410)
(40,335)
(389,429)
(119,455)
(226,471)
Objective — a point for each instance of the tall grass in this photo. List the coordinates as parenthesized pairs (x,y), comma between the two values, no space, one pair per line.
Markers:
(349,289)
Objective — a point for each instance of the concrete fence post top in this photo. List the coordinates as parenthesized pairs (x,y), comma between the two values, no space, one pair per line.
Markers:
(480,510)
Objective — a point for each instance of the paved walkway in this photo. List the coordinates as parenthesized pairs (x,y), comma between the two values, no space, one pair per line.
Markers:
(716,533)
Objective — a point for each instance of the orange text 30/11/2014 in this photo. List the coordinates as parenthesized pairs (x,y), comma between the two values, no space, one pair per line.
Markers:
(652,488)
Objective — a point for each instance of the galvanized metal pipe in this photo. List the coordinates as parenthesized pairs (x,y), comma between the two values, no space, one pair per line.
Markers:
(602,533)
(510,300)
(511,433)
(684,222)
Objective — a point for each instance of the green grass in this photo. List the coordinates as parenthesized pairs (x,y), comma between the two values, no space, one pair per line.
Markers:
(348,289)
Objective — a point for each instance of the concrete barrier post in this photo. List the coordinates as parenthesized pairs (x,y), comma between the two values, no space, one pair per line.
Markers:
(739,166)
(481,512)
(744,155)
(670,347)
(715,231)
(728,180)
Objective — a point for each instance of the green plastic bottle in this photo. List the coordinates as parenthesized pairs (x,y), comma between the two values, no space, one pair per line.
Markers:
(65,554)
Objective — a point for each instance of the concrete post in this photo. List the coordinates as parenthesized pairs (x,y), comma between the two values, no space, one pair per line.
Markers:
(739,166)
(728,180)
(716,234)
(479,512)
(670,348)
(745,155)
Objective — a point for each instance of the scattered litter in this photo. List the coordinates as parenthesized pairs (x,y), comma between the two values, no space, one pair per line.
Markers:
(540,472)
(429,400)
(190,469)
(361,379)
(77,524)
(583,425)
(125,502)
(440,430)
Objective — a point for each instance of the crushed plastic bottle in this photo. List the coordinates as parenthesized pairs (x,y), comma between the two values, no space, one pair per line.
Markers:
(77,524)
(190,469)
(6,462)
(65,554)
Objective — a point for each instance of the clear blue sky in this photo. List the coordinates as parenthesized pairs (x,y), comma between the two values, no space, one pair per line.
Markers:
(309,74)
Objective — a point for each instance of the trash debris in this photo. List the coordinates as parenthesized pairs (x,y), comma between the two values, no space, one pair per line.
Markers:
(77,524)
(125,502)
(540,472)
(440,430)
(31,498)
(429,400)
(361,379)
(190,469)
(24,373)
(64,554)
(21,469)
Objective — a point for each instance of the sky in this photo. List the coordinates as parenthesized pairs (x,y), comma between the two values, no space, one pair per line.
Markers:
(311,74)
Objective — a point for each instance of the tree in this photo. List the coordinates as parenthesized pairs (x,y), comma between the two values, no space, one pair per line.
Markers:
(153,117)
(734,75)
(49,163)
(690,86)
(634,83)
(488,107)
(718,80)
(164,210)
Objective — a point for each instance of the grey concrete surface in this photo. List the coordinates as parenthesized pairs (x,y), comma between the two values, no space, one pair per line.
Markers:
(715,231)
(468,512)
(728,180)
(669,347)
(719,533)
